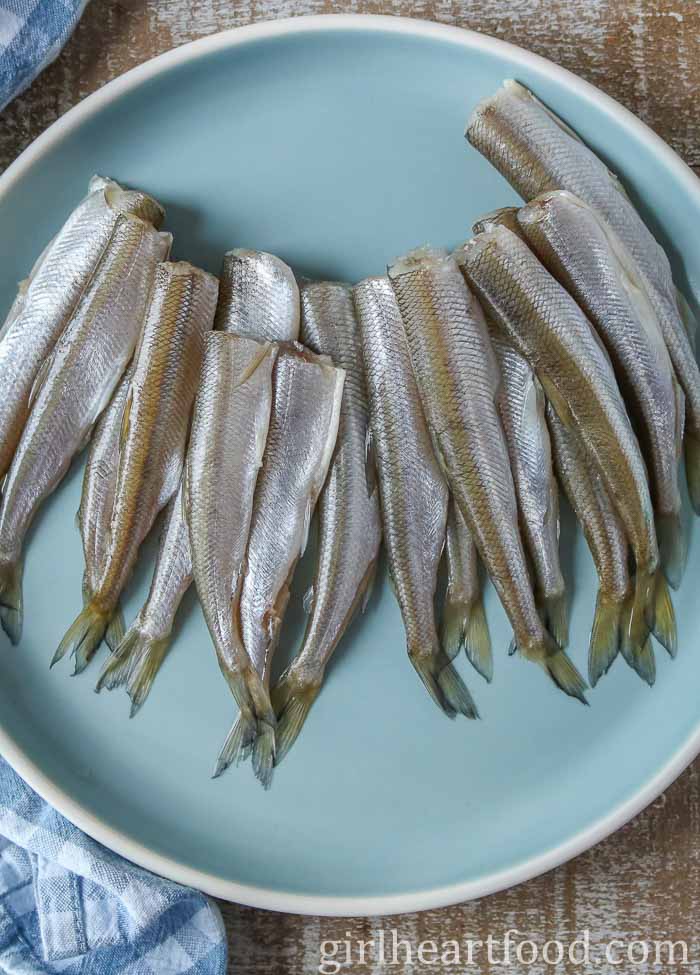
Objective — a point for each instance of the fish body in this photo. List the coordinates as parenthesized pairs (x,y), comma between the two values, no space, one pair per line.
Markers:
(306,396)
(581,251)
(521,404)
(463,618)
(413,491)
(537,152)
(606,540)
(155,424)
(97,499)
(544,323)
(458,380)
(49,296)
(229,430)
(88,361)
(349,528)
(259,297)
(138,656)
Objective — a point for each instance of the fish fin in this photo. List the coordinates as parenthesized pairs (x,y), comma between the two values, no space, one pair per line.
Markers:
(641,660)
(292,701)
(673,550)
(443,683)
(370,464)
(512,647)
(308,515)
(465,625)
(559,404)
(238,744)
(115,629)
(39,381)
(11,600)
(605,637)
(126,419)
(308,601)
(635,644)
(556,662)
(83,637)
(691,450)
(117,668)
(688,318)
(264,753)
(367,585)
(664,628)
(555,616)
(78,516)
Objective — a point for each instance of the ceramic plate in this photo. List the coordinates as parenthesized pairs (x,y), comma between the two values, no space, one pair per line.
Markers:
(337,143)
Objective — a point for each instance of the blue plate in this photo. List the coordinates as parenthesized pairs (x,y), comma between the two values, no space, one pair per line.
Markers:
(336,143)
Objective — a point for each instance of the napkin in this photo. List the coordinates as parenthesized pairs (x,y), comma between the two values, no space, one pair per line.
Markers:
(69,905)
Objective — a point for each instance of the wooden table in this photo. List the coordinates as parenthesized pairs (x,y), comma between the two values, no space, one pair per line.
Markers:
(644,882)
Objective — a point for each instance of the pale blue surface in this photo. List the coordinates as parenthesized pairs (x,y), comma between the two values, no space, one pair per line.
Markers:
(337,151)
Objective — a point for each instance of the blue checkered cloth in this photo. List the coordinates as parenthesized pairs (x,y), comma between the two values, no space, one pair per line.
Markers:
(32,33)
(69,905)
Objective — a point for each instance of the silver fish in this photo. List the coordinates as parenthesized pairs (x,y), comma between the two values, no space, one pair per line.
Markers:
(140,653)
(581,251)
(537,152)
(229,429)
(463,617)
(306,396)
(97,500)
(259,297)
(155,424)
(521,405)
(608,545)
(549,329)
(50,295)
(348,525)
(88,360)
(413,492)
(457,377)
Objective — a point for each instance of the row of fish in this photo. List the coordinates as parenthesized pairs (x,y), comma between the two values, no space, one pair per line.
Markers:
(438,408)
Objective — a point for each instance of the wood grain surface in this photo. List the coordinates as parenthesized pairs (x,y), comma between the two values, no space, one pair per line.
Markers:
(644,882)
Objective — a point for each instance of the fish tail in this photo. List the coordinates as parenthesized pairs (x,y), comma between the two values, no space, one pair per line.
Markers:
(238,744)
(115,629)
(691,451)
(635,643)
(664,628)
(559,666)
(605,636)
(83,637)
(11,603)
(292,700)
(443,683)
(673,550)
(264,753)
(464,625)
(641,660)
(135,662)
(555,616)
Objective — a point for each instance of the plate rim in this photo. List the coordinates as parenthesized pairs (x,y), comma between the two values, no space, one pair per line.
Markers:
(286,901)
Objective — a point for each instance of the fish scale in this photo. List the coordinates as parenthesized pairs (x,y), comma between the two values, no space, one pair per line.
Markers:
(458,380)
(549,329)
(537,152)
(349,530)
(88,360)
(307,392)
(413,491)
(154,430)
